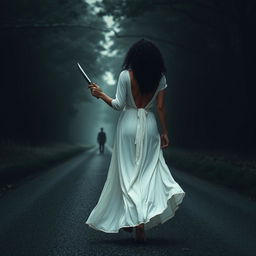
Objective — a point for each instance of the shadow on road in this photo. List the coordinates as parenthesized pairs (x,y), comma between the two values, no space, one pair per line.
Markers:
(131,243)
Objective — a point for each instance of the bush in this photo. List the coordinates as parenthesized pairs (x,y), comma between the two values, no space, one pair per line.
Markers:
(217,169)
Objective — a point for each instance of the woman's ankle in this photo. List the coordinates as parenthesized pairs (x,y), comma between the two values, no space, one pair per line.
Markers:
(140,233)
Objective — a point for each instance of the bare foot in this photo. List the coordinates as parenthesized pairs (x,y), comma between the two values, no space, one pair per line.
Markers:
(140,233)
(127,229)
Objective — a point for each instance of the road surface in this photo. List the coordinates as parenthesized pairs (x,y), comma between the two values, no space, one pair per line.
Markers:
(46,215)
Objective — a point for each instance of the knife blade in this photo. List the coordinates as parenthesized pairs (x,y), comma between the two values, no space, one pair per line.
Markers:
(88,80)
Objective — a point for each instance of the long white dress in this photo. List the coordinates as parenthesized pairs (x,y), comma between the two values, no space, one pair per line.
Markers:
(139,187)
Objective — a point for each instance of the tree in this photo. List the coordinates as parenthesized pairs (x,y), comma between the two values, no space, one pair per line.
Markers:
(40,83)
(209,52)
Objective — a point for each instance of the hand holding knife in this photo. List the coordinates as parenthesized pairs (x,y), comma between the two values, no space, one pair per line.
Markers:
(88,80)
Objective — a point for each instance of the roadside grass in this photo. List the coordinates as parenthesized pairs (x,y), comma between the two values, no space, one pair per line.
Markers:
(237,172)
(19,161)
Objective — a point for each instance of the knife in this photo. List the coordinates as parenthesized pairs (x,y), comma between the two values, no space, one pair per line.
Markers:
(88,80)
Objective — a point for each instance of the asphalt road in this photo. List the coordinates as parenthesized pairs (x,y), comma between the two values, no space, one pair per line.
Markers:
(46,215)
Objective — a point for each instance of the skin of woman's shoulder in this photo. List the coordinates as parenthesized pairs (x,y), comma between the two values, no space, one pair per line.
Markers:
(131,74)
(160,99)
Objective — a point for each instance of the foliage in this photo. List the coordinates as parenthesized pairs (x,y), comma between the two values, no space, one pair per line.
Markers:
(41,48)
(209,48)
(224,168)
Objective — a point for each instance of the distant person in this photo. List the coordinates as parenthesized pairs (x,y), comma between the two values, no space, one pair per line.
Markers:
(102,138)
(139,192)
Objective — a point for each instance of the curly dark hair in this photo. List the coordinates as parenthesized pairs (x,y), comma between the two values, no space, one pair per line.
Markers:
(147,64)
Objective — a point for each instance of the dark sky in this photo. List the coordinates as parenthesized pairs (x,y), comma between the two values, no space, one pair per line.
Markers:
(208,47)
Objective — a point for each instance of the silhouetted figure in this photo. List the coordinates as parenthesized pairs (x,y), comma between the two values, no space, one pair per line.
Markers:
(101,140)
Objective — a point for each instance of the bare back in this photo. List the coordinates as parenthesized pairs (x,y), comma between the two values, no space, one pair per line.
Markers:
(140,100)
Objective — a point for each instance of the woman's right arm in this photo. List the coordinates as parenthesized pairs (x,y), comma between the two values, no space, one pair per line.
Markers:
(162,117)
(119,101)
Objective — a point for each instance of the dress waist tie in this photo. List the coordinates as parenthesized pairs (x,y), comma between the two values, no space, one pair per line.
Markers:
(139,139)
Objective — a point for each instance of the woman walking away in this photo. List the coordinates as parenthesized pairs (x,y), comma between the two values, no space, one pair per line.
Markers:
(139,192)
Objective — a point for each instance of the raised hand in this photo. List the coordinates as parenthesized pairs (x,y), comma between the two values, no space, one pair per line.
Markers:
(96,90)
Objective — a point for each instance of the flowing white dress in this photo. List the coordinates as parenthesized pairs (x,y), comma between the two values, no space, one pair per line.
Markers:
(139,187)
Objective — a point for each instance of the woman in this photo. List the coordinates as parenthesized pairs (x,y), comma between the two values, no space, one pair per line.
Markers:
(139,191)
